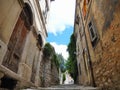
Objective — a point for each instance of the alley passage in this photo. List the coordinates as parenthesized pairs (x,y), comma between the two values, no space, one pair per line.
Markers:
(67,87)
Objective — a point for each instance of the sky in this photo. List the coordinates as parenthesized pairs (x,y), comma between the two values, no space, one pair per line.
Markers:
(60,25)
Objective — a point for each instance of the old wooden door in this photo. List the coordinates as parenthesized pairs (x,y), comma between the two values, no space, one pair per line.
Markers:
(15,46)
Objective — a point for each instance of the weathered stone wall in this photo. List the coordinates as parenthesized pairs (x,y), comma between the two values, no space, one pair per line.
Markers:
(45,72)
(48,72)
(105,15)
(54,74)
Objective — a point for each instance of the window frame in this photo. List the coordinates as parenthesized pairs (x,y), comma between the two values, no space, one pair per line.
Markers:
(94,39)
(93,30)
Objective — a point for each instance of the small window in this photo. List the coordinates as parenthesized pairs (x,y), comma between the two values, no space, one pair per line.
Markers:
(77,19)
(93,34)
(90,24)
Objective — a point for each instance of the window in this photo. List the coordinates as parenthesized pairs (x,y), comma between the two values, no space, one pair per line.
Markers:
(77,19)
(93,34)
(40,40)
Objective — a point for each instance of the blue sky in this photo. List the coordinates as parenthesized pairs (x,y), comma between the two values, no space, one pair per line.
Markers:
(61,38)
(60,25)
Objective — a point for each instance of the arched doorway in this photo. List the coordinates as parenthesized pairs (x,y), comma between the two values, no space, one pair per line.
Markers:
(18,38)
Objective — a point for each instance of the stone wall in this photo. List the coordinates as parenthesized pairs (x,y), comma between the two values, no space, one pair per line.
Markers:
(54,74)
(45,72)
(100,19)
(48,73)
(105,56)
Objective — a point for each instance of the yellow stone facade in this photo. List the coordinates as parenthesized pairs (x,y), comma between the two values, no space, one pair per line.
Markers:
(100,21)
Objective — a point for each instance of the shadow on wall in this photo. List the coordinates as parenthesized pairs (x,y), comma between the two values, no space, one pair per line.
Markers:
(8,83)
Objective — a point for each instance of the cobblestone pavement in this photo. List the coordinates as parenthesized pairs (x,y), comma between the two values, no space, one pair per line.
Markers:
(67,87)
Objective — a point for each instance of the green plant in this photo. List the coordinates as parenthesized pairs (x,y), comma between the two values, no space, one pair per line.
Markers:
(64,77)
(48,50)
(56,61)
(71,63)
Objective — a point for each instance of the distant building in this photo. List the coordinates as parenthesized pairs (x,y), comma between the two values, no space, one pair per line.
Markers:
(22,36)
(69,79)
(97,28)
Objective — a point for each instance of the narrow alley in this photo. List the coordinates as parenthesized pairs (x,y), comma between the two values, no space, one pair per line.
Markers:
(60,44)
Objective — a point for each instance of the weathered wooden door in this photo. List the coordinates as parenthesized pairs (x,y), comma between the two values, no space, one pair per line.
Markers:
(15,46)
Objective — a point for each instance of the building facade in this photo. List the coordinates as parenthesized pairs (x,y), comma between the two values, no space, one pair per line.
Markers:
(84,69)
(96,28)
(22,36)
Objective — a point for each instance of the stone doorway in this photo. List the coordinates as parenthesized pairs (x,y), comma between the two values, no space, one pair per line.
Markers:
(15,46)
(17,39)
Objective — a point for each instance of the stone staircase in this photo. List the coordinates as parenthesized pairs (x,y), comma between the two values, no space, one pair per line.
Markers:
(66,87)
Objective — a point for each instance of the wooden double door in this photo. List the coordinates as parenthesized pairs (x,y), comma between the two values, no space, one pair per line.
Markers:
(16,45)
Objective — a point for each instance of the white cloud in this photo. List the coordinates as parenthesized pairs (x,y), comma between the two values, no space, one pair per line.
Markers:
(60,49)
(61,15)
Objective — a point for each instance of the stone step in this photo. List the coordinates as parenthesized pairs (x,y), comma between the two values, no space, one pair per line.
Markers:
(67,87)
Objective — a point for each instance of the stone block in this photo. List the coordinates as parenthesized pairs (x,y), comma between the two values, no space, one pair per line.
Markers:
(25,71)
